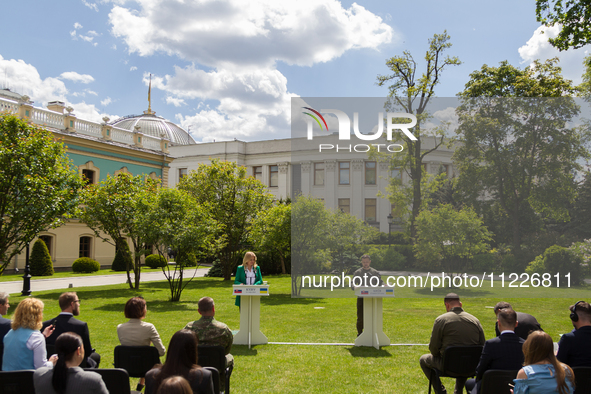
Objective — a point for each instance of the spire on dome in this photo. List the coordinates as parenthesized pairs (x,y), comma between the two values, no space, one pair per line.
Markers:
(149,111)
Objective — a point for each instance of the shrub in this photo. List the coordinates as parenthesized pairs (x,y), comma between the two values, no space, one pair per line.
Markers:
(216,270)
(156,261)
(484,262)
(386,259)
(85,265)
(186,259)
(122,259)
(558,260)
(40,261)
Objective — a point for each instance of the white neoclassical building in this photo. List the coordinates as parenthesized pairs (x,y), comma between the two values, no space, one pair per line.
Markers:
(347,180)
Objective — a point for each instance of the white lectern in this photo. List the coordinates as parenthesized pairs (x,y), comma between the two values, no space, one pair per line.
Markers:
(250,314)
(373,333)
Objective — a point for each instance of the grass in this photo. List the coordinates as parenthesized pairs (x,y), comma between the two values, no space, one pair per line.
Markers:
(301,368)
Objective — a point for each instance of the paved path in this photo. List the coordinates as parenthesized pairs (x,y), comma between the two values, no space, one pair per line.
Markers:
(84,281)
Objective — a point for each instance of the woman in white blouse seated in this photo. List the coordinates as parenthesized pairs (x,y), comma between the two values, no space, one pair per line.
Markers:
(24,344)
(137,332)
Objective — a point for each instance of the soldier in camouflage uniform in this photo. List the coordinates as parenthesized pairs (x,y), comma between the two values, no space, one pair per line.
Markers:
(212,332)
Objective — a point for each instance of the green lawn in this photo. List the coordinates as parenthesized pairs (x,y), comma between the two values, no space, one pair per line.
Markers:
(302,368)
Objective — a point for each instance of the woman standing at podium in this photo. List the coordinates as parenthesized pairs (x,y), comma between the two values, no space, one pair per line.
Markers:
(249,273)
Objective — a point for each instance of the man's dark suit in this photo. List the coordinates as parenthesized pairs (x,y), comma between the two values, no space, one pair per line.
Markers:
(526,324)
(574,348)
(503,352)
(4,327)
(65,322)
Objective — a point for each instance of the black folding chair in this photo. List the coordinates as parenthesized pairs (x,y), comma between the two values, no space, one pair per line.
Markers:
(215,356)
(496,381)
(458,362)
(582,380)
(17,382)
(136,360)
(215,376)
(116,379)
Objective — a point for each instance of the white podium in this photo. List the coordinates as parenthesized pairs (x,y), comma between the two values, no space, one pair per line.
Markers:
(373,333)
(250,314)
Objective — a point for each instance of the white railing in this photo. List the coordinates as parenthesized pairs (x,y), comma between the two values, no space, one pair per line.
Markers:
(88,128)
(8,106)
(122,135)
(45,117)
(56,120)
(150,142)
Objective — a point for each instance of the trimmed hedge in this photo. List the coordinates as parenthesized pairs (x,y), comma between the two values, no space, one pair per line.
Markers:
(156,261)
(122,259)
(40,260)
(85,265)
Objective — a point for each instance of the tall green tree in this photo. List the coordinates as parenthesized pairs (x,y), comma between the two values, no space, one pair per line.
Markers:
(448,238)
(112,210)
(173,219)
(572,16)
(38,184)
(272,231)
(40,261)
(411,93)
(516,144)
(234,200)
(310,226)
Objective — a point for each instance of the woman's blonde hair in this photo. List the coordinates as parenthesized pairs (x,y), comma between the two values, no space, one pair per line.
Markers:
(539,347)
(247,257)
(28,314)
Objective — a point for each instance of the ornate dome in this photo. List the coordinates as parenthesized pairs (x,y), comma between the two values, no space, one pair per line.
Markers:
(155,126)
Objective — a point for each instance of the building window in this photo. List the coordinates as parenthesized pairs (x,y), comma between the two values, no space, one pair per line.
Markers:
(88,176)
(344,171)
(370,210)
(318,174)
(257,173)
(370,172)
(47,240)
(84,249)
(182,173)
(345,205)
(396,174)
(444,169)
(273,176)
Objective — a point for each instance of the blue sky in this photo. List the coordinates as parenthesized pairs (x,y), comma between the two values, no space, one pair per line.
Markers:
(228,69)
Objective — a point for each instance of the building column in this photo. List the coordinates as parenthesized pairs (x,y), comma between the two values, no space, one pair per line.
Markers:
(357,185)
(283,184)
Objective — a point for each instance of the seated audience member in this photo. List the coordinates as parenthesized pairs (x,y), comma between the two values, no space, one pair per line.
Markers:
(137,332)
(454,328)
(574,348)
(24,345)
(175,385)
(210,331)
(526,323)
(65,322)
(542,373)
(67,377)
(4,322)
(181,359)
(503,352)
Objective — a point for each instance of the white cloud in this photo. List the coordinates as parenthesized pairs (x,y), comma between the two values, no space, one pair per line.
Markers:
(77,26)
(132,68)
(175,101)
(93,33)
(538,47)
(75,77)
(263,31)
(86,38)
(92,6)
(106,101)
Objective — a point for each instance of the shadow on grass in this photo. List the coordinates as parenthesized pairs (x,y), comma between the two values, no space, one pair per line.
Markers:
(243,350)
(442,292)
(153,306)
(366,351)
(282,299)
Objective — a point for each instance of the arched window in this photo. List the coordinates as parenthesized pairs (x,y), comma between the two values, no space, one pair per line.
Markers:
(89,172)
(85,247)
(48,239)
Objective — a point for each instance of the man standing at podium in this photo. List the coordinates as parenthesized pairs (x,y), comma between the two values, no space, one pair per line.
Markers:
(365,273)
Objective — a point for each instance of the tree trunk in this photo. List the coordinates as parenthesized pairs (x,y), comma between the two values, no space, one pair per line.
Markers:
(283,270)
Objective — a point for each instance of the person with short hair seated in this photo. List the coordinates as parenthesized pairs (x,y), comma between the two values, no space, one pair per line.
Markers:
(181,360)
(175,385)
(542,373)
(24,344)
(67,377)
